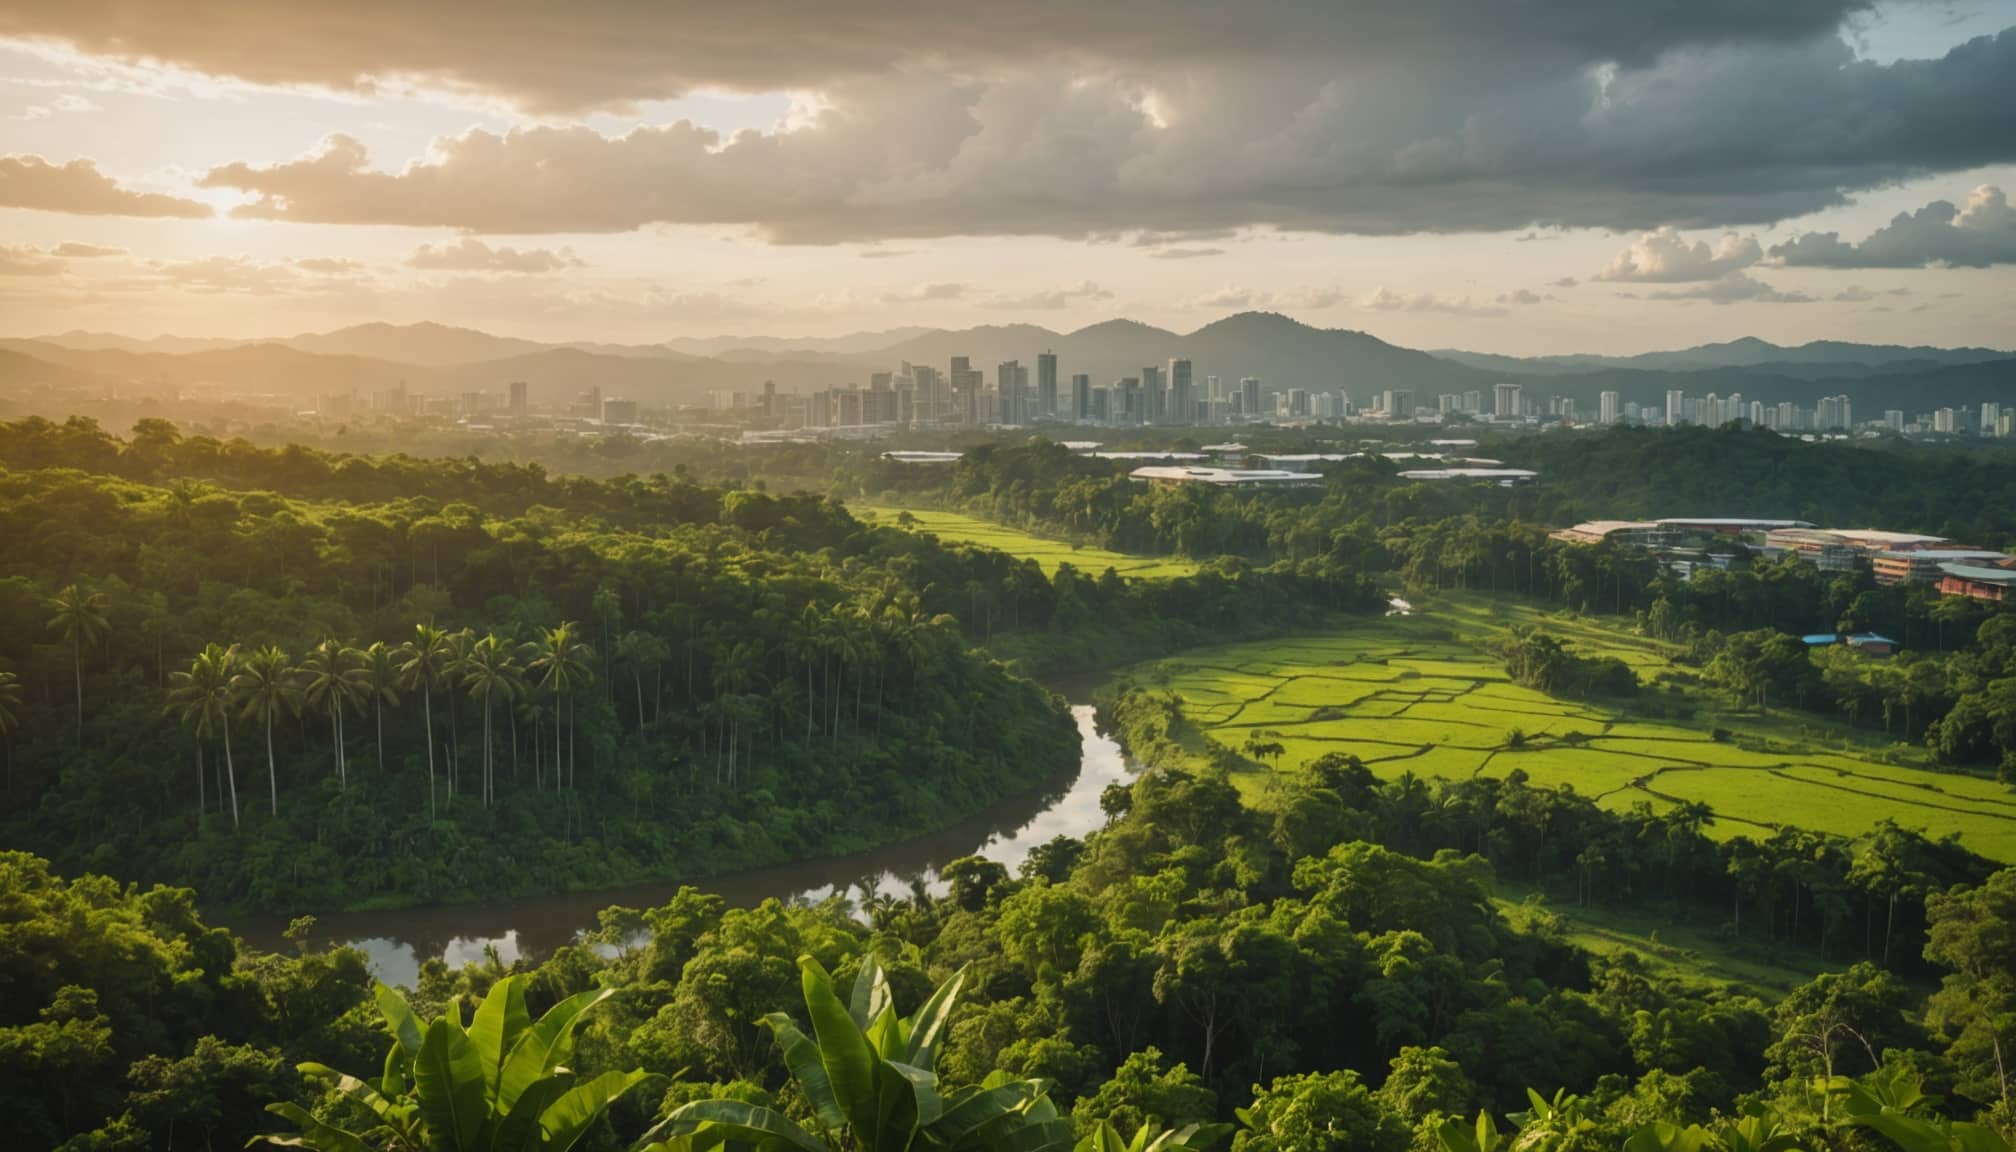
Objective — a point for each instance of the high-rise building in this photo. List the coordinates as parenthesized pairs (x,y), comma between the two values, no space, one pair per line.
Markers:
(1011,385)
(1130,408)
(616,410)
(1081,396)
(1249,393)
(1606,408)
(1942,421)
(1505,401)
(1182,409)
(518,402)
(1991,416)
(1833,413)
(1893,419)
(1156,395)
(1046,385)
(1397,403)
(1676,407)
(1298,402)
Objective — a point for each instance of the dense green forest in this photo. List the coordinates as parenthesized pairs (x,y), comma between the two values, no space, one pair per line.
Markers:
(220,672)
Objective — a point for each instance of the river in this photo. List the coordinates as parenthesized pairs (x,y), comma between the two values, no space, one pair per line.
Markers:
(397,941)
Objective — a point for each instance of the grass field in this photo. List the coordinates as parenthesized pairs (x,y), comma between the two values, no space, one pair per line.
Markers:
(953,528)
(1424,694)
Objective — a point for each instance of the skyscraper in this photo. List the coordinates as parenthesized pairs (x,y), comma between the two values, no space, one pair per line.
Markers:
(1011,385)
(518,399)
(1181,408)
(1081,396)
(1505,401)
(1046,386)
(1156,396)
(1606,407)
(1249,390)
(1676,407)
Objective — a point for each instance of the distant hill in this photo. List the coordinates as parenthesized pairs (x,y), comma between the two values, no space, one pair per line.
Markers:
(1815,360)
(428,345)
(793,347)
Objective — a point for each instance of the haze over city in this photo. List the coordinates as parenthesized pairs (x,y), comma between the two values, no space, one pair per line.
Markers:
(1568,177)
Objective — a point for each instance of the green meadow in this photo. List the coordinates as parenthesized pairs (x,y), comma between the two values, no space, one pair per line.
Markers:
(1425,694)
(953,528)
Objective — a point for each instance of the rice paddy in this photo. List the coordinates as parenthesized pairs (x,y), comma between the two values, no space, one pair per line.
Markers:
(954,528)
(1424,694)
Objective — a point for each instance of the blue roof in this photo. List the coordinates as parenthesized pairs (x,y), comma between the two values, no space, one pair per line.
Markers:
(1819,638)
(1871,638)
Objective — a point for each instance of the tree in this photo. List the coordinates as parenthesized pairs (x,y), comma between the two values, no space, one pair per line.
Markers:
(870,1079)
(266,683)
(1318,1112)
(503,1083)
(332,681)
(425,662)
(203,696)
(560,662)
(79,614)
(491,674)
(10,716)
(380,682)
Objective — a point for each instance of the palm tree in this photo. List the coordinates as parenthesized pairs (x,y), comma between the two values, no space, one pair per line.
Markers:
(807,642)
(204,695)
(491,673)
(458,660)
(79,614)
(560,662)
(332,682)
(734,674)
(266,683)
(425,661)
(10,717)
(641,651)
(381,686)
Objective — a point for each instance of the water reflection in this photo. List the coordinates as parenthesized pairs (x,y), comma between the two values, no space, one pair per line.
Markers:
(396,941)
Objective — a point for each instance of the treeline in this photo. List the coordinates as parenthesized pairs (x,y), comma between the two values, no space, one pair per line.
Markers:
(551,684)
(1193,962)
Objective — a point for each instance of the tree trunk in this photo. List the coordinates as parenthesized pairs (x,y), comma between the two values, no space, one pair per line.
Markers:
(272,772)
(336,743)
(230,775)
(427,698)
(77,651)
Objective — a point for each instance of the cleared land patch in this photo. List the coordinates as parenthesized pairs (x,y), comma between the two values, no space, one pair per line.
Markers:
(1423,694)
(954,528)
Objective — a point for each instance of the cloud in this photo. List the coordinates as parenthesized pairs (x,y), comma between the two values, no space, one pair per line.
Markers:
(472,255)
(608,53)
(1185,253)
(1666,257)
(1523,296)
(78,251)
(1563,282)
(78,187)
(1238,299)
(1977,236)
(1085,291)
(19,261)
(330,266)
(1856,293)
(68,102)
(884,253)
(1097,120)
(1387,300)
(922,293)
(1738,287)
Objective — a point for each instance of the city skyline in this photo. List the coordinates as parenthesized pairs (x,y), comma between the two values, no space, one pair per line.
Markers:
(1575,179)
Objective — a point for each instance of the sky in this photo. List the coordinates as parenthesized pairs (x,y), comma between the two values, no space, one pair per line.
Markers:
(1542,177)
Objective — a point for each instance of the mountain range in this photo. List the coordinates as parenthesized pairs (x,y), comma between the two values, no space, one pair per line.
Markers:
(1283,352)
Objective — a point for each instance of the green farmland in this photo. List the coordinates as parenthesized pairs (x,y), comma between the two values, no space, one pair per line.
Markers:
(952,528)
(1425,694)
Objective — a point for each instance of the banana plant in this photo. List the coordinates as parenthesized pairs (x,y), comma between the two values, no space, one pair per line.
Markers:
(869,1077)
(1483,1136)
(1550,1124)
(1885,1100)
(502,1085)
(1150,1137)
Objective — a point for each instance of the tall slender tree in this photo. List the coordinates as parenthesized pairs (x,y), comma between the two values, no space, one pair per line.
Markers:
(266,682)
(491,675)
(10,717)
(332,682)
(79,614)
(559,661)
(424,663)
(381,686)
(203,696)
